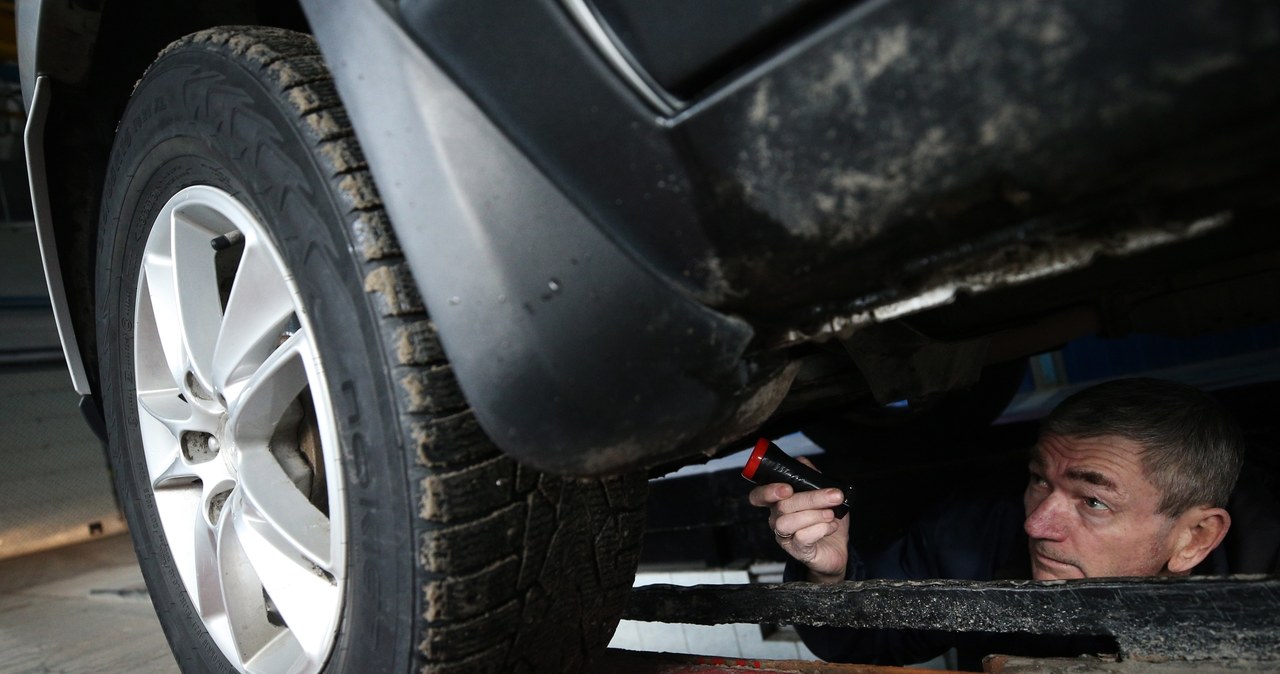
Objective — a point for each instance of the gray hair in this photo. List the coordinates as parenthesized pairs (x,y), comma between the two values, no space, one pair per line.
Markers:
(1192,449)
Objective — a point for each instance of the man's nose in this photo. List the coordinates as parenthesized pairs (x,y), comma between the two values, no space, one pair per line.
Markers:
(1046,519)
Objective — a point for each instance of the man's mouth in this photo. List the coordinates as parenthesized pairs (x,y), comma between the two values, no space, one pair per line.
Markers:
(1053,565)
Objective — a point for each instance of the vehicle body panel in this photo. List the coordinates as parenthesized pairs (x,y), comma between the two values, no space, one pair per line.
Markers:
(34,138)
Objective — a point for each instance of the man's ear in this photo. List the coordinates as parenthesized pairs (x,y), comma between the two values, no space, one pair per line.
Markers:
(1196,533)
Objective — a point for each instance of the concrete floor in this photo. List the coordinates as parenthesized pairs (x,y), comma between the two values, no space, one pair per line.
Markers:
(54,488)
(80,609)
(71,595)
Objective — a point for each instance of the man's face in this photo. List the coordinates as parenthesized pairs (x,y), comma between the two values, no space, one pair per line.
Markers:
(1091,511)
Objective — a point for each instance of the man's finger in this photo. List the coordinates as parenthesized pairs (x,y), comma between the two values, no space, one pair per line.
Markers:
(811,500)
(768,494)
(790,524)
(812,534)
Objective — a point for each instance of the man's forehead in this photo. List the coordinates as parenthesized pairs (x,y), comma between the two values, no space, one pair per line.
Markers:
(1105,453)
(1110,463)
(1071,445)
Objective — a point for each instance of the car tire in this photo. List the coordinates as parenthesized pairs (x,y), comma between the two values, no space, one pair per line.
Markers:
(305,484)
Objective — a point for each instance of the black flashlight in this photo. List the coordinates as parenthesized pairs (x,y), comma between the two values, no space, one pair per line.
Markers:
(769,464)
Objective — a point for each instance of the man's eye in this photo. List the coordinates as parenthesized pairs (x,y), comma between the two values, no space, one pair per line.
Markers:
(1095,504)
(1037,481)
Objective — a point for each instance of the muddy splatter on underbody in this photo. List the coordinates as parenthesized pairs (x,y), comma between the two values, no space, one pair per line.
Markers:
(1014,264)
(882,142)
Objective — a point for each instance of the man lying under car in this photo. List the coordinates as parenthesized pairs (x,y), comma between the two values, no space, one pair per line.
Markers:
(1128,478)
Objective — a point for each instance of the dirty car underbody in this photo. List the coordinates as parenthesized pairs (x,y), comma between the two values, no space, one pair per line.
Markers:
(996,177)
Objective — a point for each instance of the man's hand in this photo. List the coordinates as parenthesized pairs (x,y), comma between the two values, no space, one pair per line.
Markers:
(805,527)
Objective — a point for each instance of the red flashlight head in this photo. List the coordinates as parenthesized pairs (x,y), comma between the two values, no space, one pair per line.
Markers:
(749,470)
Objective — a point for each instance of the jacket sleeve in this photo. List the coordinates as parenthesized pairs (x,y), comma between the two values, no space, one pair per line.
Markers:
(956,541)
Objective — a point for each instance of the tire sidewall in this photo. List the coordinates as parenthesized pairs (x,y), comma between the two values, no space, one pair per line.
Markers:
(231,132)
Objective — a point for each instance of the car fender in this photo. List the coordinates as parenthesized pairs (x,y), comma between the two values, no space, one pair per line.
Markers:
(576,358)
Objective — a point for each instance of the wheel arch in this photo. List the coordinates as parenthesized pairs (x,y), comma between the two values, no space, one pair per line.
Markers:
(685,386)
(89,56)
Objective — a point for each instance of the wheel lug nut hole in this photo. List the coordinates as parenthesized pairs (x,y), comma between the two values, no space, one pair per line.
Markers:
(197,389)
(198,447)
(216,503)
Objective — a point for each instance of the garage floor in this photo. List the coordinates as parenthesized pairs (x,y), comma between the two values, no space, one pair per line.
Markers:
(54,489)
(79,609)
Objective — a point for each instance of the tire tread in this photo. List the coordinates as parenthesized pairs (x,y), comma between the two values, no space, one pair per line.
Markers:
(510,558)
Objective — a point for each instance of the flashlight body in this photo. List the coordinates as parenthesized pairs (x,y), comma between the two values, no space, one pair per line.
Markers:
(769,464)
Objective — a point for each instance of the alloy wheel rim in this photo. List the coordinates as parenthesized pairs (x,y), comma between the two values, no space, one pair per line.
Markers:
(238,434)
